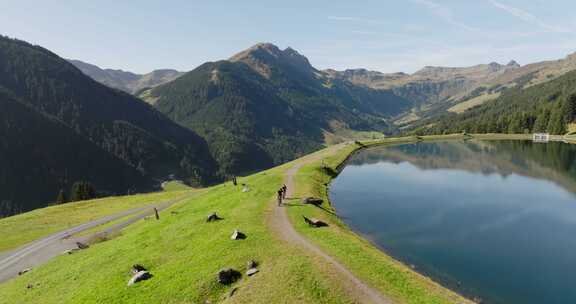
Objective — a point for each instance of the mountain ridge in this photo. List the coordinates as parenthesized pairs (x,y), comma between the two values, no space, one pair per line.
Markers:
(124,80)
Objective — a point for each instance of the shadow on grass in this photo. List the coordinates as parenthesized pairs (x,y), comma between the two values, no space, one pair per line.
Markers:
(317,206)
(292,205)
(325,209)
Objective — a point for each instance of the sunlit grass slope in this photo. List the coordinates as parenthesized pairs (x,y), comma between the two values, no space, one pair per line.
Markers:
(21,229)
(184,253)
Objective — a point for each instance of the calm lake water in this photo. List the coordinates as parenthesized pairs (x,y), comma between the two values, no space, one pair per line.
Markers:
(495,219)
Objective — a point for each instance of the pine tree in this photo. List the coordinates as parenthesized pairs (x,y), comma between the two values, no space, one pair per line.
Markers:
(82,190)
(61,198)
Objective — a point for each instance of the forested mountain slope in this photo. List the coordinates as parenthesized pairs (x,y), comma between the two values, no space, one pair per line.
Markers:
(265,106)
(125,130)
(548,107)
(39,156)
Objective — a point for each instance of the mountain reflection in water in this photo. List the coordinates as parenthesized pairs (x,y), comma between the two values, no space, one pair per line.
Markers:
(491,218)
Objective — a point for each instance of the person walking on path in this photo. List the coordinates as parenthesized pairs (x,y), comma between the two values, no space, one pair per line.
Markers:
(234,181)
(280,197)
(284,190)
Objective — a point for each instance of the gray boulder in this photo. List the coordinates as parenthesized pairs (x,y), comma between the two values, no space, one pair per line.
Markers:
(139,276)
(71,251)
(82,245)
(136,268)
(237,235)
(314,222)
(23,271)
(228,276)
(251,264)
(252,271)
(213,217)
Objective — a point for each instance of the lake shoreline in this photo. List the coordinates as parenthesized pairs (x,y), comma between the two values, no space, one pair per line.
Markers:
(436,276)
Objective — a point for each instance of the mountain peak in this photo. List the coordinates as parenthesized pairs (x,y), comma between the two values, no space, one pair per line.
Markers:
(513,64)
(262,56)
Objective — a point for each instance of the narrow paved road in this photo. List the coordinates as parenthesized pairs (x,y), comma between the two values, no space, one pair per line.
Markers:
(359,291)
(40,251)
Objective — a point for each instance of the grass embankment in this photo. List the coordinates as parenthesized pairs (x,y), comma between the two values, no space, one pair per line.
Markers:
(21,229)
(381,271)
(184,254)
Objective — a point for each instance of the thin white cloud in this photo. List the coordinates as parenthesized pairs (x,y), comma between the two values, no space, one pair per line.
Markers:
(444,13)
(356,19)
(528,17)
(343,18)
(363,32)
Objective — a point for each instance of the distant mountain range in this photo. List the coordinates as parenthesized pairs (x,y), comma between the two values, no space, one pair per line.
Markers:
(546,107)
(437,90)
(126,81)
(432,91)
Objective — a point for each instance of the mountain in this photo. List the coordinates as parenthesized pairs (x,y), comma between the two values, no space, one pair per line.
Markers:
(130,134)
(437,90)
(126,81)
(429,88)
(546,107)
(265,106)
(39,155)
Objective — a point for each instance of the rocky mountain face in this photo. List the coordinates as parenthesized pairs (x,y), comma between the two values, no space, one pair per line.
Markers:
(126,81)
(59,126)
(265,106)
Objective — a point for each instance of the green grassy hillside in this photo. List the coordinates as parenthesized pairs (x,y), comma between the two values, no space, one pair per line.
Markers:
(184,253)
(23,228)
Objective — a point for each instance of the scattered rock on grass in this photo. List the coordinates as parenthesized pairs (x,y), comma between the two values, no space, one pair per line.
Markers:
(252,271)
(213,217)
(82,245)
(237,235)
(312,201)
(70,251)
(228,276)
(137,268)
(251,264)
(314,222)
(139,276)
(23,271)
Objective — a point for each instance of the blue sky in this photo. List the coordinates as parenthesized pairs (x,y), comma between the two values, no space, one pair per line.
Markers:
(388,36)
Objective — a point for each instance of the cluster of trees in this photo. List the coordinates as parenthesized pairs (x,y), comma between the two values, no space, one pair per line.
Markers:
(79,191)
(548,107)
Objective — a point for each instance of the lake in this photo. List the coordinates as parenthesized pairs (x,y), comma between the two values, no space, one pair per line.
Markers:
(494,219)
